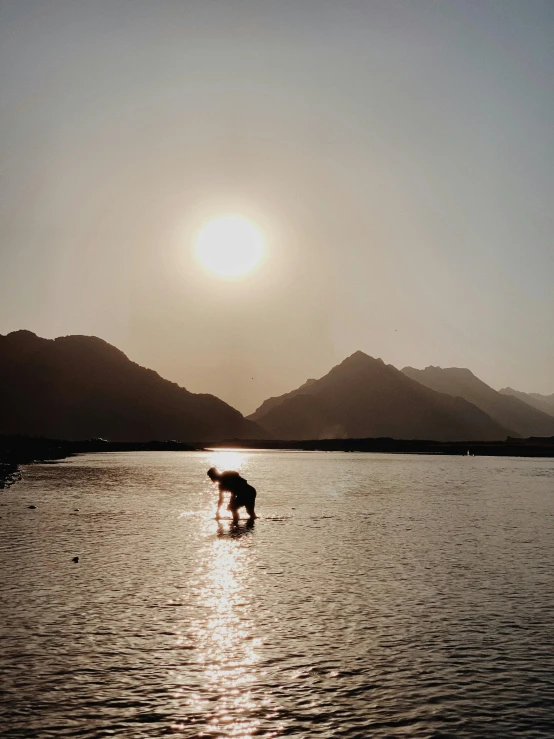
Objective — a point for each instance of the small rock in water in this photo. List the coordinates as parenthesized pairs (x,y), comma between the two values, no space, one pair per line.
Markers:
(75,559)
(32,507)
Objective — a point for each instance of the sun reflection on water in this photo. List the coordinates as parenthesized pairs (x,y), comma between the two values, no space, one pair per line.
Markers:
(228,700)
(228,459)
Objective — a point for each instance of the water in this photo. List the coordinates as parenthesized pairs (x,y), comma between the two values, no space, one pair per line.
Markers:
(376,596)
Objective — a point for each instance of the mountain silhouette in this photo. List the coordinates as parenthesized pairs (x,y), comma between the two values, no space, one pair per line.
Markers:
(78,387)
(544,403)
(506,410)
(364,397)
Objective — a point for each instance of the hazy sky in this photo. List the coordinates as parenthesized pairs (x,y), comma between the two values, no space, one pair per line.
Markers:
(398,157)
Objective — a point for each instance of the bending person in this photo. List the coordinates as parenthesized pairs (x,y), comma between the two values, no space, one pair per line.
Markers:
(242,494)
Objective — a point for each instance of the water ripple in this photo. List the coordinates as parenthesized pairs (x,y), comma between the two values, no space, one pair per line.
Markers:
(377,595)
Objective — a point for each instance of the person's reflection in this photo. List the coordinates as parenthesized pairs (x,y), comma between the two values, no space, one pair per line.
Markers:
(235,530)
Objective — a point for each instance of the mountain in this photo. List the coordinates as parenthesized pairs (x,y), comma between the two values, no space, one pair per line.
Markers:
(544,403)
(363,397)
(510,412)
(78,387)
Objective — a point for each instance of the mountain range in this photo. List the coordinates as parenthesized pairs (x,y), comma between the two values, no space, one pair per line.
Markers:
(544,403)
(364,397)
(512,413)
(79,387)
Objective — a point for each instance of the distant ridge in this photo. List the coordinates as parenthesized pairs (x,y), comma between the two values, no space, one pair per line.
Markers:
(508,411)
(78,387)
(364,397)
(544,403)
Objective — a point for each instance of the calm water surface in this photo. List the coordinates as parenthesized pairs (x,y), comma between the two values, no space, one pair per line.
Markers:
(376,596)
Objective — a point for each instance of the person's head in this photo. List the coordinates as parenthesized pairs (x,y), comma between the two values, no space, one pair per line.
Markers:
(213,474)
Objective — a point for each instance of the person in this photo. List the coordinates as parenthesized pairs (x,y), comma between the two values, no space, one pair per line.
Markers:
(242,494)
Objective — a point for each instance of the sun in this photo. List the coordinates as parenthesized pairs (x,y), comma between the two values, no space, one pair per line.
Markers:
(230,246)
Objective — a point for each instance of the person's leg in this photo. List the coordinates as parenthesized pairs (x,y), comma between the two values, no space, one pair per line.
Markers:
(234,508)
(250,506)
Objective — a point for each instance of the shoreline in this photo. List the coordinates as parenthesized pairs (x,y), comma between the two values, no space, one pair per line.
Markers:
(511,447)
(21,450)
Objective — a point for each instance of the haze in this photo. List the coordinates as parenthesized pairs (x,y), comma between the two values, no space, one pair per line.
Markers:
(396,156)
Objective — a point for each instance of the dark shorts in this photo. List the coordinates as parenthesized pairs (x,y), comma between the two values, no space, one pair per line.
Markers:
(246,497)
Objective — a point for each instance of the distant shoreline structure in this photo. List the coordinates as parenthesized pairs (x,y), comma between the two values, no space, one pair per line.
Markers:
(21,450)
(511,447)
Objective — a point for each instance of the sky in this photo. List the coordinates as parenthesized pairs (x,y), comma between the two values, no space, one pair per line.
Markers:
(396,156)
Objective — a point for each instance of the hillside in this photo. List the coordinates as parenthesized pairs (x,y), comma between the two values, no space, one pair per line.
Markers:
(544,403)
(508,411)
(363,397)
(78,387)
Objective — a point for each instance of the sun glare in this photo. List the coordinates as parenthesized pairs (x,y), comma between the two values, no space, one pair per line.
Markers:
(230,246)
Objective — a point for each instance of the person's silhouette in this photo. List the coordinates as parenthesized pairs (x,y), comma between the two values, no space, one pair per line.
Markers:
(242,494)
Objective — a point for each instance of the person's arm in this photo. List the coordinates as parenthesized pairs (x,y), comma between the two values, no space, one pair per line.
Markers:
(219,501)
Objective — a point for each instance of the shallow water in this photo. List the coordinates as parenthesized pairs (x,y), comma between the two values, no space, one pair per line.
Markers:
(376,596)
